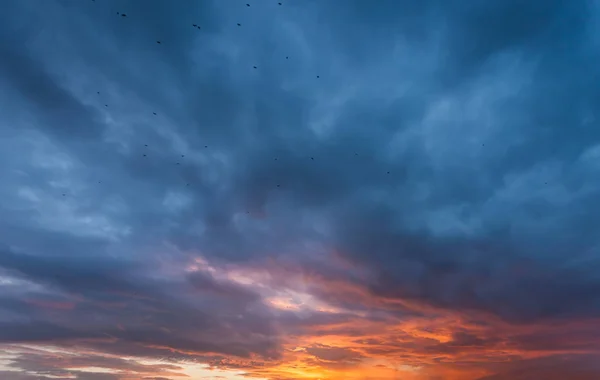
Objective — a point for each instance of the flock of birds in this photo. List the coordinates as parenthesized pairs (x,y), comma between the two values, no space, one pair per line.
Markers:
(124,15)
(159,42)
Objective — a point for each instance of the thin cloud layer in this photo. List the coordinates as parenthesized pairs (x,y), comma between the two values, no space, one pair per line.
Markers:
(296,190)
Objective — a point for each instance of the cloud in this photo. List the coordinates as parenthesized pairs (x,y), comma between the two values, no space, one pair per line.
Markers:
(406,182)
(560,367)
(132,313)
(328,356)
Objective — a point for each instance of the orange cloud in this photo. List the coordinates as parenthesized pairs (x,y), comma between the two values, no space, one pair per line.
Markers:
(332,328)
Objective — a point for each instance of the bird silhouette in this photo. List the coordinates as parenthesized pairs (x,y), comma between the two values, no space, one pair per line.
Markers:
(98,92)
(206,146)
(239,24)
(123,14)
(318,77)
(154,113)
(194,25)
(254,67)
(279,3)
(247,5)
(144,155)
(182,155)
(145,144)
(158,42)
(287,57)
(106,105)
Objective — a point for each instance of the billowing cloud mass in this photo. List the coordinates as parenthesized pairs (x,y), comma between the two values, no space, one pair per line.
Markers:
(310,189)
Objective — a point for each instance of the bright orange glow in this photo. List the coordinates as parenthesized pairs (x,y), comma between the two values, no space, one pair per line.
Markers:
(329,330)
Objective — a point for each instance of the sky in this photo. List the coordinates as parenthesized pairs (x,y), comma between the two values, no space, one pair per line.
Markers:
(311,189)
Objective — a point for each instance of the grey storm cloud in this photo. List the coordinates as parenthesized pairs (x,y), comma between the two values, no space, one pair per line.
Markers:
(447,148)
(133,309)
(333,354)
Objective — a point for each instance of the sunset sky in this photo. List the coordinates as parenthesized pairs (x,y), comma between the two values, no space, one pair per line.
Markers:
(317,189)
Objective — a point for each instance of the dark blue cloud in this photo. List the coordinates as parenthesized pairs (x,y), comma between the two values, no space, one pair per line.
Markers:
(447,148)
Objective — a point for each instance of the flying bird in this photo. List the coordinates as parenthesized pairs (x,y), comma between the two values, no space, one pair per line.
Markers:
(239,24)
(123,14)
(247,5)
(254,67)
(154,113)
(318,77)
(158,42)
